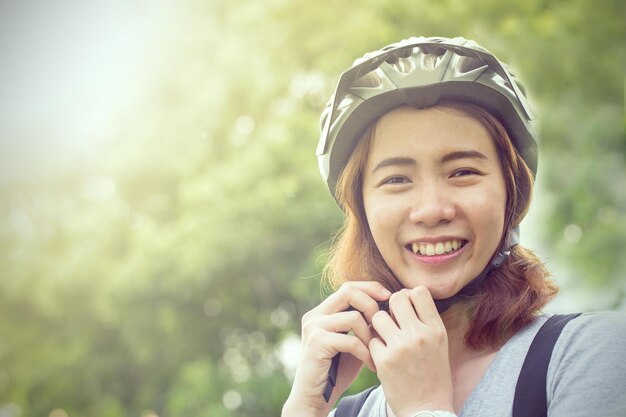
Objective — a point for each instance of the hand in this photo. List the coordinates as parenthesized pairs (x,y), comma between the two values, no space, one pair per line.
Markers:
(324,334)
(411,354)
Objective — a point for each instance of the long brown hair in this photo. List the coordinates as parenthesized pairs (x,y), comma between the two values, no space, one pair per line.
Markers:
(510,296)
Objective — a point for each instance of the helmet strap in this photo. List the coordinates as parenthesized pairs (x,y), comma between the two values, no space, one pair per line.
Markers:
(472,287)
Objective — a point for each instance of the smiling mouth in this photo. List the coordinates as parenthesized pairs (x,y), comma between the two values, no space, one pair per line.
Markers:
(439,248)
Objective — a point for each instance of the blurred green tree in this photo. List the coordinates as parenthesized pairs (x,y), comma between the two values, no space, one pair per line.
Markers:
(165,276)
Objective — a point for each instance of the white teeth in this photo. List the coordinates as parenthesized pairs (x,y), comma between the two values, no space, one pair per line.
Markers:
(439,248)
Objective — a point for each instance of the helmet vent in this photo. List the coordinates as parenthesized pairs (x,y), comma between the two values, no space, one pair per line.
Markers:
(402,65)
(371,80)
(430,61)
(433,50)
(467,64)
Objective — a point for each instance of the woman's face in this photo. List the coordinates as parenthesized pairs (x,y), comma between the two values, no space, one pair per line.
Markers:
(434,196)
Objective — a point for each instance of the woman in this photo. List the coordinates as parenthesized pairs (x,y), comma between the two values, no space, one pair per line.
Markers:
(429,148)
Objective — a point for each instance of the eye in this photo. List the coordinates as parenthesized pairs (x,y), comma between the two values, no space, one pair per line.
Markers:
(464,172)
(397,179)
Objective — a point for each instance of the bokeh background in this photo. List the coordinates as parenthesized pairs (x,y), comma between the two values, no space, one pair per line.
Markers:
(162,219)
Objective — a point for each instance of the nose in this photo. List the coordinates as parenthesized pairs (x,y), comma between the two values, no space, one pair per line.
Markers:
(432,205)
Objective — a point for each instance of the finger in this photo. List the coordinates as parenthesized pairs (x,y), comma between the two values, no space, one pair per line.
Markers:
(376,348)
(346,321)
(401,306)
(348,359)
(349,344)
(425,306)
(379,353)
(384,326)
(360,295)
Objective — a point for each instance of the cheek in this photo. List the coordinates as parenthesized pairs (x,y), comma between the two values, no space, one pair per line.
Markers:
(492,202)
(383,219)
(488,209)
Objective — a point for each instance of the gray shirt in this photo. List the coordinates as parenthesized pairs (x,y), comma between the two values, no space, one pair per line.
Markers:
(586,375)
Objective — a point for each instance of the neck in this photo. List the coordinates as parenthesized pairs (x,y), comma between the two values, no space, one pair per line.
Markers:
(457,322)
(467,366)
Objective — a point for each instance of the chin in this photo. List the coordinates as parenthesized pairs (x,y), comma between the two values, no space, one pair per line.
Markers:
(440,286)
(441,294)
(443,290)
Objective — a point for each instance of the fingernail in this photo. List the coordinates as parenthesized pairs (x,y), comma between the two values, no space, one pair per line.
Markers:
(385,292)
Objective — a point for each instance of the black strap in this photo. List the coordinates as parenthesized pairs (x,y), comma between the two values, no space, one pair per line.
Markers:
(351,405)
(530,393)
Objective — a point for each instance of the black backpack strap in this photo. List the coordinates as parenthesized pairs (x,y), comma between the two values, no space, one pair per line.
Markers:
(351,405)
(530,393)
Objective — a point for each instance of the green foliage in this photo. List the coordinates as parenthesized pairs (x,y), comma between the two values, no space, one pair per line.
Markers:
(164,276)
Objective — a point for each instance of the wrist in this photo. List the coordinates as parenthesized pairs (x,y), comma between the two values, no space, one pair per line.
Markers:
(296,407)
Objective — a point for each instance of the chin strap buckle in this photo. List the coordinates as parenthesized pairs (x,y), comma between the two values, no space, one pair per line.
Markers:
(512,239)
(500,258)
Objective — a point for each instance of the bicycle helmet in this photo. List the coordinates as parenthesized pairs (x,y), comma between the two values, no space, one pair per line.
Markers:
(419,72)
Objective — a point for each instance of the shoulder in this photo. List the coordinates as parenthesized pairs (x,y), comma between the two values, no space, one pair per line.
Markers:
(592,337)
(599,330)
(588,357)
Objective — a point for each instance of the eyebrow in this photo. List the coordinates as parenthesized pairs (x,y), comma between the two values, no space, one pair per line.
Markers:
(462,155)
(404,161)
(396,161)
